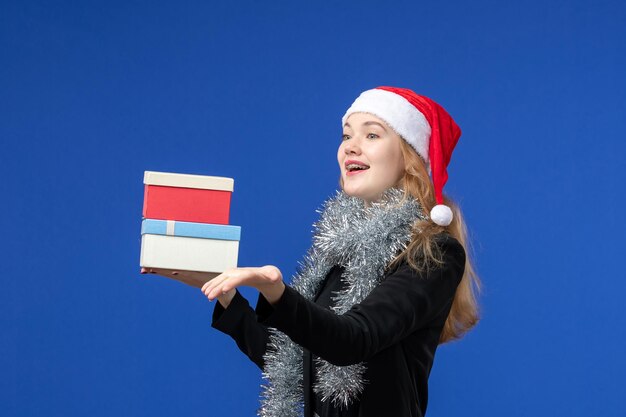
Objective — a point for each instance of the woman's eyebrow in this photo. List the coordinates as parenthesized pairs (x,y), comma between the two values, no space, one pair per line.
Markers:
(374,123)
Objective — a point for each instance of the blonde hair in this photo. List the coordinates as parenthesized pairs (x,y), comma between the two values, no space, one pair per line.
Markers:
(423,253)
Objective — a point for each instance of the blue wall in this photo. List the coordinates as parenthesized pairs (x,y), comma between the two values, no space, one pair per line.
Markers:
(94,93)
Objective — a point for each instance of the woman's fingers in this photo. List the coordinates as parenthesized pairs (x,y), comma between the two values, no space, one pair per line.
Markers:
(231,279)
(214,287)
(211,285)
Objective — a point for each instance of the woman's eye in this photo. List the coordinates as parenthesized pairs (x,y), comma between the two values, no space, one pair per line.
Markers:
(372,136)
(345,137)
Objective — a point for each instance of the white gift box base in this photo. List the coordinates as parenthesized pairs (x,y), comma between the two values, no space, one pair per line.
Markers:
(201,259)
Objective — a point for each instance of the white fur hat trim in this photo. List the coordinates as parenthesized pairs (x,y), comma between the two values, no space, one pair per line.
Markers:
(398,113)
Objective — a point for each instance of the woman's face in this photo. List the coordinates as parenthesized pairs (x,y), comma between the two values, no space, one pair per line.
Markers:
(370,158)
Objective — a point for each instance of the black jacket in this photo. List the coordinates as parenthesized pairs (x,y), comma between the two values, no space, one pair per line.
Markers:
(395,330)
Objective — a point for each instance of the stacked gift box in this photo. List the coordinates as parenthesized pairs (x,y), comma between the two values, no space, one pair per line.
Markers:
(185,233)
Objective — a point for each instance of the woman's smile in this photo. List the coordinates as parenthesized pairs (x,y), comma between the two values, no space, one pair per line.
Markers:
(354,167)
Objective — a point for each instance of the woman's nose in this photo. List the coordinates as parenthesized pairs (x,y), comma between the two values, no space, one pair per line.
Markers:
(352,147)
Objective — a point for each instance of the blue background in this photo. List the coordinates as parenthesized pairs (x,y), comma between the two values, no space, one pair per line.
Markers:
(94,93)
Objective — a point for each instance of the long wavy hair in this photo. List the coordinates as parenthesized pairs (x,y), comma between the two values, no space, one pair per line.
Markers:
(423,253)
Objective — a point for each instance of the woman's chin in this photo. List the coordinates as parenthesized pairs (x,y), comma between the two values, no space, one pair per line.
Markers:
(351,191)
(358,194)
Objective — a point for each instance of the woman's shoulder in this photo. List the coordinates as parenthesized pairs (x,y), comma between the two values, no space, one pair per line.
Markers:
(451,254)
(450,247)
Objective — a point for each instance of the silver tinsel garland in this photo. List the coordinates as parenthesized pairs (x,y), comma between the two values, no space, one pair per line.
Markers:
(364,240)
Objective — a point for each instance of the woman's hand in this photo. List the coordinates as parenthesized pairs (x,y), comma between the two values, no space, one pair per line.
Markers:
(226,298)
(267,279)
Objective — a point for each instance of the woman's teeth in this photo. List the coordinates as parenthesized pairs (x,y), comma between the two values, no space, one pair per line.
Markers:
(356,167)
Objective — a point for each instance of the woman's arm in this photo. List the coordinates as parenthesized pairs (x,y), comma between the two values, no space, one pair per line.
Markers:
(403,303)
(233,316)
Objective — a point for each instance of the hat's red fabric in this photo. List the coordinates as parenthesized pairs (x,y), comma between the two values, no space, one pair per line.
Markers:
(445,134)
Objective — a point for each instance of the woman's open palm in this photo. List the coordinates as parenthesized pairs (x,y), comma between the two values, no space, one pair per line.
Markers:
(268,280)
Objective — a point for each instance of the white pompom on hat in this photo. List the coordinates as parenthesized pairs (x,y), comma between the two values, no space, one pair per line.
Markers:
(424,124)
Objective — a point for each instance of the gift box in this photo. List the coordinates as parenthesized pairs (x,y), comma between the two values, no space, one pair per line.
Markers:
(184,197)
(199,230)
(193,253)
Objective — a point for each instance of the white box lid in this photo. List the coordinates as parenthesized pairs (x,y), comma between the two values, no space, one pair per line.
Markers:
(170,179)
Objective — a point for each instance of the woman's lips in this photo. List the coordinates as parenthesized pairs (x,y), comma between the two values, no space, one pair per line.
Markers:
(353,167)
(355,172)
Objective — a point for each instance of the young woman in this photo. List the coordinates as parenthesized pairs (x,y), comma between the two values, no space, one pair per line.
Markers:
(386,281)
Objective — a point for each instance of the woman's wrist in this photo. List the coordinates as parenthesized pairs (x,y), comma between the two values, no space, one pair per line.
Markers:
(273,293)
(226,298)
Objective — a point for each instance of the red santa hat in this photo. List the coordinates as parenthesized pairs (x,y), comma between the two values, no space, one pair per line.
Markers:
(421,122)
